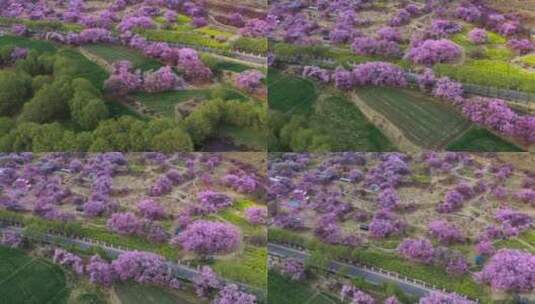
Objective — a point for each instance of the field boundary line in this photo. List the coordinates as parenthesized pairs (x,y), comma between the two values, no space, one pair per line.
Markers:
(393,133)
(10,276)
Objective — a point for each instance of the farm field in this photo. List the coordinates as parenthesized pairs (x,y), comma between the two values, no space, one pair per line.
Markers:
(479,139)
(431,71)
(139,294)
(113,53)
(30,280)
(290,94)
(368,207)
(425,121)
(325,113)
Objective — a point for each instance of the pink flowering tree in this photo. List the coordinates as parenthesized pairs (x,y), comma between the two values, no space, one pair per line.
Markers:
(150,209)
(123,78)
(509,270)
(431,52)
(65,258)
(143,267)
(478,36)
(162,186)
(417,250)
(436,297)
(100,272)
(212,201)
(194,69)
(426,80)
(317,73)
(378,74)
(293,269)
(206,282)
(256,215)
(124,223)
(208,238)
(249,80)
(162,80)
(11,239)
(353,295)
(445,232)
(521,46)
(231,294)
(392,300)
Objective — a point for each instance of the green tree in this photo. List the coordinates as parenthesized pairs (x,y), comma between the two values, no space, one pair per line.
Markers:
(92,113)
(5,54)
(48,104)
(47,138)
(15,89)
(172,140)
(36,64)
(40,80)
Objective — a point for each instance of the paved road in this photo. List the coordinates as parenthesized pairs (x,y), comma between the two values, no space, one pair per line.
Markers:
(248,58)
(373,277)
(181,271)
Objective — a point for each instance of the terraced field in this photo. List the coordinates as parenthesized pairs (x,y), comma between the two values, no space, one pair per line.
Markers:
(28,280)
(423,120)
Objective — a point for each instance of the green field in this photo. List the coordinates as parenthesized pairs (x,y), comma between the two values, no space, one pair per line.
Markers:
(481,140)
(490,72)
(86,68)
(346,126)
(290,93)
(425,121)
(164,103)
(286,291)
(28,280)
(131,293)
(112,53)
(249,267)
(38,45)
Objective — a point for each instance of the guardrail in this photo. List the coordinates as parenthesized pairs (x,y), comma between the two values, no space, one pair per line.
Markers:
(493,92)
(374,269)
(182,269)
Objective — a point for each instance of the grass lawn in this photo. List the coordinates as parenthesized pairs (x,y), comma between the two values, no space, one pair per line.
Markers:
(28,280)
(164,103)
(424,120)
(38,45)
(218,65)
(346,126)
(249,267)
(529,60)
(481,140)
(131,293)
(488,72)
(287,93)
(87,68)
(112,53)
(286,291)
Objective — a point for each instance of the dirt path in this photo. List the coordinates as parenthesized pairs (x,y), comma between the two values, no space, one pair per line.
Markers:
(393,133)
